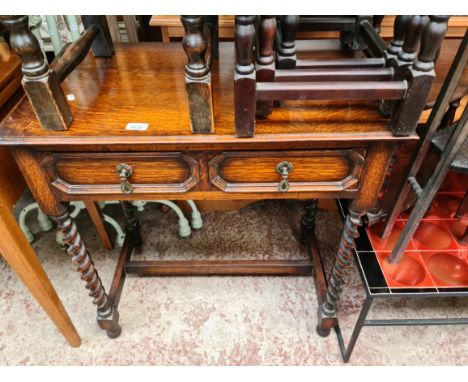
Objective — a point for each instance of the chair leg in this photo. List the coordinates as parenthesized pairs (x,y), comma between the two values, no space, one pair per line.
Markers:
(197,222)
(184,226)
(96,216)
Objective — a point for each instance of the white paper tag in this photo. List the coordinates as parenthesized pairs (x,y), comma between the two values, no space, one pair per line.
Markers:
(136,126)
(70,97)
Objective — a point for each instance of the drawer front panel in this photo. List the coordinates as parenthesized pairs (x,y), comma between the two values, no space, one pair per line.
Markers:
(86,173)
(317,170)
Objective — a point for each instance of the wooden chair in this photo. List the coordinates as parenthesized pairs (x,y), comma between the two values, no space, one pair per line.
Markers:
(398,76)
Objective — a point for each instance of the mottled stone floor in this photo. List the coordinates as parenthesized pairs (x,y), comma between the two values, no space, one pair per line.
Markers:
(218,320)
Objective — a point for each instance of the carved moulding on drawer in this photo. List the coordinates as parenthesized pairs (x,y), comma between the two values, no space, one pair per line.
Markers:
(313,170)
(95,173)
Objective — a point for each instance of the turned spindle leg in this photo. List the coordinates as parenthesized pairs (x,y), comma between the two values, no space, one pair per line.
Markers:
(420,76)
(244,77)
(399,31)
(308,220)
(406,54)
(400,26)
(327,311)
(286,56)
(197,76)
(265,66)
(40,84)
(131,223)
(107,314)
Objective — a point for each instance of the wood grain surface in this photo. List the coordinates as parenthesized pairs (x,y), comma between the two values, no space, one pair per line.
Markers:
(145,83)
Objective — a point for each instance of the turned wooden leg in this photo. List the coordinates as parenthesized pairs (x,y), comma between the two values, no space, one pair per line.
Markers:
(197,76)
(286,56)
(308,220)
(40,84)
(131,223)
(327,311)
(375,168)
(97,217)
(265,66)
(107,314)
(245,77)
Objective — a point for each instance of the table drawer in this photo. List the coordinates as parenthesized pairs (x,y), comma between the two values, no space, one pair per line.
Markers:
(122,173)
(287,171)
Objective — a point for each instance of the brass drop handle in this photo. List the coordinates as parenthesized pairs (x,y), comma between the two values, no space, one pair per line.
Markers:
(124,171)
(284,168)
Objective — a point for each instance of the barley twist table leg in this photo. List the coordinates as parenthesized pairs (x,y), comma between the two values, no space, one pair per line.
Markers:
(107,314)
(308,220)
(327,311)
(131,223)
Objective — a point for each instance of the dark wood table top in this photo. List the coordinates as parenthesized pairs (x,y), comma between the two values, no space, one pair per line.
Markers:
(144,83)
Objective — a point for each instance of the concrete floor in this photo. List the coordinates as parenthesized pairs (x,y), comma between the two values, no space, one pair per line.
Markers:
(218,320)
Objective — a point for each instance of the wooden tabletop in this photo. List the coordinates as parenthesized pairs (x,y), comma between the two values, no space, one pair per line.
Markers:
(144,83)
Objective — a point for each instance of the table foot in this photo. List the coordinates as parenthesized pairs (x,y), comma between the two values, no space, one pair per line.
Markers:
(114,333)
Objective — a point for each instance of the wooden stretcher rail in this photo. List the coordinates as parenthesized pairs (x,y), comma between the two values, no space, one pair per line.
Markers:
(271,91)
(326,24)
(219,267)
(352,74)
(342,63)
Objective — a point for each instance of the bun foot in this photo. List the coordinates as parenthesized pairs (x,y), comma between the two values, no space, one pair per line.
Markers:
(322,332)
(114,333)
